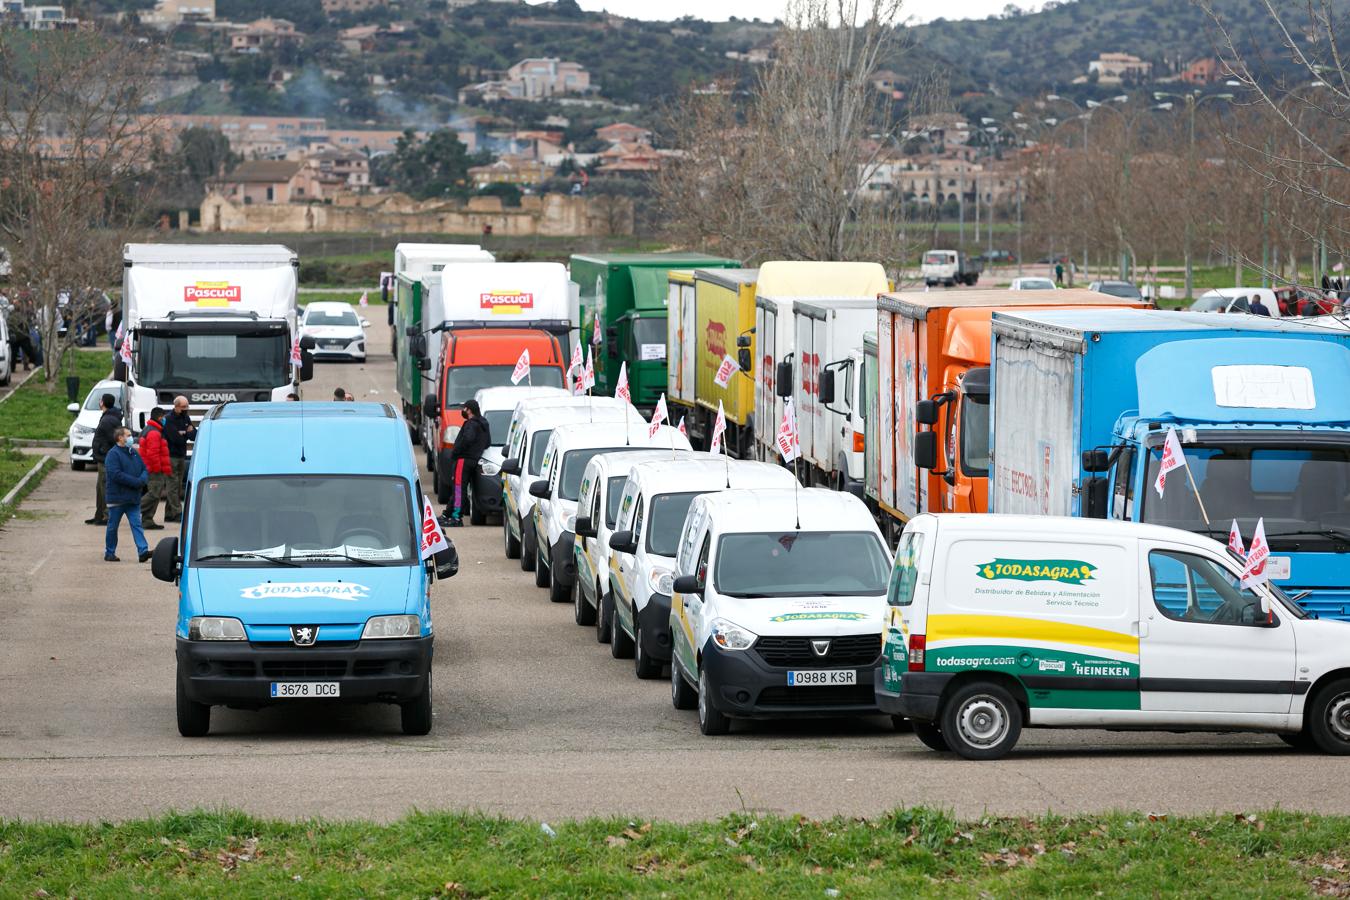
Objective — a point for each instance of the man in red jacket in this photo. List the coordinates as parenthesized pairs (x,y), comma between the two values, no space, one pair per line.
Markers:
(155,453)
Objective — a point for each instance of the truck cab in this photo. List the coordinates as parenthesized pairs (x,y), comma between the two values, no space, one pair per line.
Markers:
(950,268)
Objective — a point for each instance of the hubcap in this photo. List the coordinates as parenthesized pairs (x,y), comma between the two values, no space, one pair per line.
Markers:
(983,721)
(1338,717)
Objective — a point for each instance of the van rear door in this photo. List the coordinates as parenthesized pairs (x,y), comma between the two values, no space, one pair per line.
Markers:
(907,599)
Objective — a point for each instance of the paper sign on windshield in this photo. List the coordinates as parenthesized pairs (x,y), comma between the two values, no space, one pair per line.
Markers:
(1264,387)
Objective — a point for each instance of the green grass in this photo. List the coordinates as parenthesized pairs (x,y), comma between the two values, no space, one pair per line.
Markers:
(342,295)
(909,852)
(14,464)
(37,411)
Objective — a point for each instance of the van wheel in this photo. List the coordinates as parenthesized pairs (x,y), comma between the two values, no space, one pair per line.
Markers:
(710,719)
(682,696)
(415,715)
(1329,718)
(643,665)
(443,487)
(582,612)
(541,578)
(509,543)
(901,725)
(527,551)
(620,644)
(604,612)
(194,719)
(929,735)
(477,512)
(556,591)
(983,721)
(1300,740)
(77,465)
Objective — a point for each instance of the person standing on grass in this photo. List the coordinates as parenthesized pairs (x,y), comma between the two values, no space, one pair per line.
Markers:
(178,432)
(105,438)
(155,454)
(473,439)
(126,477)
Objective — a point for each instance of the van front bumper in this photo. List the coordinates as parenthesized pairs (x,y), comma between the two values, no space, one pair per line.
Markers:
(241,673)
(918,695)
(562,561)
(487,492)
(745,687)
(654,623)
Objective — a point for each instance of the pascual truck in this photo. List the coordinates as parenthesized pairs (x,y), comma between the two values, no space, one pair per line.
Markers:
(213,323)
(1083,401)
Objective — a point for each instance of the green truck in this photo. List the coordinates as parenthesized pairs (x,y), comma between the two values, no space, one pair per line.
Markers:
(625,295)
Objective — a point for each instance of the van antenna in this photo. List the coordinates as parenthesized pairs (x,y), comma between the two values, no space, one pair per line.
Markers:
(302,431)
(726,457)
(796,486)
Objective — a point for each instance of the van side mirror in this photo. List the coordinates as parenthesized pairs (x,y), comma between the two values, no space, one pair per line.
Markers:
(446,561)
(783,380)
(365,323)
(1095,497)
(511,466)
(744,360)
(73,409)
(164,562)
(622,542)
(306,366)
(926,412)
(926,449)
(431,407)
(584,527)
(539,489)
(687,584)
(825,389)
(1096,461)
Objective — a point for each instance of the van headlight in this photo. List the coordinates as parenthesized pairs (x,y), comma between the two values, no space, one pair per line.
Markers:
(661,581)
(451,432)
(488,468)
(392,627)
(730,636)
(215,628)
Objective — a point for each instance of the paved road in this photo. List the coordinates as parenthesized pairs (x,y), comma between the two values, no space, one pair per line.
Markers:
(533,718)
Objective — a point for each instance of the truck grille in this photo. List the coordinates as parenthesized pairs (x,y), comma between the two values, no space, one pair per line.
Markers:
(795,652)
(842,695)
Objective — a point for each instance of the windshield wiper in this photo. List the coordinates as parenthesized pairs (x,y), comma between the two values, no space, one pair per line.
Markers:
(346,556)
(274,560)
(1336,532)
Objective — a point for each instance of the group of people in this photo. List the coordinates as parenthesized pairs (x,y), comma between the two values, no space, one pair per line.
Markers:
(134,481)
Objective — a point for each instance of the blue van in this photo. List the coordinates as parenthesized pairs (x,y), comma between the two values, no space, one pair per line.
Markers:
(290,509)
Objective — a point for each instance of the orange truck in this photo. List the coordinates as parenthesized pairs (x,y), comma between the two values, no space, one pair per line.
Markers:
(932,439)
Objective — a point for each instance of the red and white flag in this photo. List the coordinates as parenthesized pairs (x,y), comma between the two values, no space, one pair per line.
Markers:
(365,300)
(789,447)
(725,371)
(595,329)
(1172,458)
(1254,572)
(589,373)
(433,539)
(681,429)
(1235,541)
(522,369)
(297,358)
(577,361)
(124,351)
(621,389)
(658,416)
(719,429)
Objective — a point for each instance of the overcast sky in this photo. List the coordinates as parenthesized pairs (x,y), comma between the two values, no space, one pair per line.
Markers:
(768,10)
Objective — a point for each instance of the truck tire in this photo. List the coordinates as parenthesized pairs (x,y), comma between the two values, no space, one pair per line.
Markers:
(1329,718)
(711,721)
(682,696)
(1299,740)
(415,715)
(510,544)
(194,719)
(983,721)
(77,465)
(413,433)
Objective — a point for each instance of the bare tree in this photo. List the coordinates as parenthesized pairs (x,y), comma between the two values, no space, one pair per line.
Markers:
(74,146)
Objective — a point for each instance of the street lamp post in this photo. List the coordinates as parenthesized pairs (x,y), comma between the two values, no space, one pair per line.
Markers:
(1085,113)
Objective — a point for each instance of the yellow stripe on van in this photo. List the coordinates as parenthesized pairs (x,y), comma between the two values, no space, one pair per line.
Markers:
(952,628)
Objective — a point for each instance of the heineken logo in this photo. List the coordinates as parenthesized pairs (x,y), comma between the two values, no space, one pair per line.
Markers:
(1063,571)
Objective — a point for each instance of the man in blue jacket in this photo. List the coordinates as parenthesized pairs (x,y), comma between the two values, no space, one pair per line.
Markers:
(127,476)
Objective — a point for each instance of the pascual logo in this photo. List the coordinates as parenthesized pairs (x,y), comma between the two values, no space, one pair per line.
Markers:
(332,590)
(212,293)
(716,336)
(218,397)
(506,302)
(1051,665)
(1063,571)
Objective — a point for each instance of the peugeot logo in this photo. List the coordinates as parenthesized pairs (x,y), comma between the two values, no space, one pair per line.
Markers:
(304,635)
(820,648)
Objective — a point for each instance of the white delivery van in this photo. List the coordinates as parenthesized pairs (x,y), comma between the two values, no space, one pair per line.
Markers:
(996,623)
(777,607)
(570,448)
(655,502)
(498,405)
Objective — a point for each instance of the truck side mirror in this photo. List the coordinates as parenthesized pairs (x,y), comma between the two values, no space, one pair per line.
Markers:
(1096,461)
(926,450)
(423,364)
(412,331)
(120,370)
(306,366)
(743,340)
(744,359)
(431,408)
(307,342)
(585,527)
(1095,497)
(446,562)
(622,542)
(783,380)
(511,466)
(926,412)
(688,584)
(417,345)
(539,489)
(164,563)
(825,389)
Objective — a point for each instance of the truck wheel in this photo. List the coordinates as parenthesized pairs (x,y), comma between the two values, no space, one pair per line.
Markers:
(682,696)
(541,578)
(415,715)
(983,721)
(929,735)
(1329,718)
(194,719)
(582,612)
(527,552)
(643,665)
(603,613)
(710,719)
(510,543)
(620,644)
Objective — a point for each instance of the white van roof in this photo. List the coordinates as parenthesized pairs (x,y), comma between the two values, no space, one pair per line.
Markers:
(1064,528)
(586,435)
(499,398)
(777,509)
(530,404)
(612,465)
(708,472)
(553,416)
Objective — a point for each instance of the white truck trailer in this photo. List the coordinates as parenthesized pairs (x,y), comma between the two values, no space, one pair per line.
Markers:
(828,393)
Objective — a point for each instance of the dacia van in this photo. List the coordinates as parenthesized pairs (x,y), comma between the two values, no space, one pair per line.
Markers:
(498,405)
(289,510)
(655,501)
(527,438)
(570,448)
(997,623)
(777,606)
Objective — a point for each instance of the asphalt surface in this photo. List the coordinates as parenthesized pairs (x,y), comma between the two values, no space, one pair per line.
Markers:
(532,716)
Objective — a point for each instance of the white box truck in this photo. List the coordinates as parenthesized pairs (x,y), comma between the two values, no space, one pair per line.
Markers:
(211,322)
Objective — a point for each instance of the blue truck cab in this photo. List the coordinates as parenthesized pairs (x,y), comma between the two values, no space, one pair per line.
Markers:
(299,565)
(1082,401)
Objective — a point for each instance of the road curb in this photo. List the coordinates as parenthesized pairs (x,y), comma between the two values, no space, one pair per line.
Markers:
(40,443)
(14,387)
(8,499)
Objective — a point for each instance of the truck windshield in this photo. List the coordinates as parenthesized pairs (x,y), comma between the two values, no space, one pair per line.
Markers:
(169,360)
(801,564)
(462,382)
(975,437)
(1302,492)
(649,339)
(574,466)
(937,259)
(666,521)
(326,520)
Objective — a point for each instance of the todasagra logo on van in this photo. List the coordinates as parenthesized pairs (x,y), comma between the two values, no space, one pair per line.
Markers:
(1063,571)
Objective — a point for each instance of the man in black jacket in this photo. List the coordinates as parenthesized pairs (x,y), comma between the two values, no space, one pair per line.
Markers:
(473,439)
(105,438)
(178,431)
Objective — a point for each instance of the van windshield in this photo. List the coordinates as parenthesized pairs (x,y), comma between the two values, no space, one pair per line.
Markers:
(326,520)
(462,382)
(801,564)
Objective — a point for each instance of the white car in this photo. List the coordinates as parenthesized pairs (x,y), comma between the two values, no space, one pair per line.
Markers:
(498,404)
(1032,283)
(338,332)
(1236,300)
(778,605)
(655,502)
(80,435)
(6,361)
(570,448)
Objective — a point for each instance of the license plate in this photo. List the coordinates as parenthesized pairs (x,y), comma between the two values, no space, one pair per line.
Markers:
(819,677)
(305,689)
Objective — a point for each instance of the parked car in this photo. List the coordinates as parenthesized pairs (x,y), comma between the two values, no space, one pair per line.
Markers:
(1124,289)
(6,360)
(80,435)
(1236,300)
(998,257)
(338,332)
(1032,283)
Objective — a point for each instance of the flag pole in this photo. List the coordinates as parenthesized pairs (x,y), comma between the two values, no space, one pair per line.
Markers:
(1191,478)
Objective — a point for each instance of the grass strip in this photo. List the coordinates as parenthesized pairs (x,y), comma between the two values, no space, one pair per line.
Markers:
(14,465)
(37,410)
(909,852)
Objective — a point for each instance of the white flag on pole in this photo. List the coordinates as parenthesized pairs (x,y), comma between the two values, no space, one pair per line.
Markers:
(522,369)
(719,429)
(1172,458)
(589,375)
(1258,553)
(125,350)
(789,447)
(658,416)
(725,371)
(681,429)
(365,300)
(297,358)
(1235,541)
(433,539)
(621,389)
